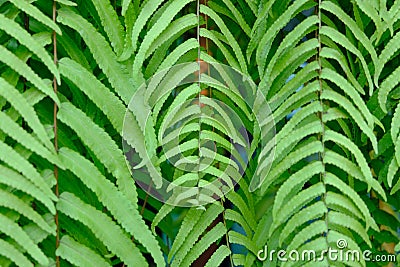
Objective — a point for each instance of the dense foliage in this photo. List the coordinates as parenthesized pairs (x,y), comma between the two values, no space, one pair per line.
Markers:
(329,70)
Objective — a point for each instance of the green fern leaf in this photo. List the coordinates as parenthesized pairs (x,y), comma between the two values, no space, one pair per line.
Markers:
(146,11)
(205,219)
(227,54)
(228,35)
(353,112)
(151,35)
(283,146)
(12,229)
(387,53)
(107,152)
(351,168)
(205,242)
(314,229)
(112,107)
(259,27)
(116,73)
(265,43)
(9,251)
(17,181)
(11,201)
(336,218)
(23,69)
(15,30)
(238,16)
(240,239)
(289,160)
(66,2)
(343,205)
(34,12)
(333,180)
(18,162)
(103,227)
(393,168)
(343,41)
(395,125)
(8,126)
(175,55)
(296,179)
(111,24)
(387,85)
(290,56)
(288,42)
(296,203)
(78,254)
(119,206)
(345,142)
(164,211)
(352,25)
(337,55)
(244,209)
(21,104)
(175,29)
(307,214)
(190,220)
(218,256)
(235,216)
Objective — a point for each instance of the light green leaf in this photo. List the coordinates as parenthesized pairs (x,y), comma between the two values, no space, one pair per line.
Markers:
(78,254)
(103,228)
(15,30)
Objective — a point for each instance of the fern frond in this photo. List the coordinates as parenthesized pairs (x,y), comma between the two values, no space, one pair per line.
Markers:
(175,29)
(264,44)
(146,11)
(333,180)
(151,36)
(218,256)
(15,30)
(316,228)
(343,41)
(17,181)
(297,202)
(206,241)
(19,163)
(12,229)
(24,70)
(386,87)
(295,180)
(33,11)
(116,73)
(112,107)
(78,254)
(25,109)
(107,152)
(228,35)
(9,251)
(111,24)
(174,56)
(12,129)
(352,25)
(119,206)
(353,112)
(11,201)
(199,226)
(102,227)
(289,160)
(311,212)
